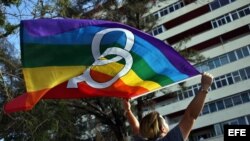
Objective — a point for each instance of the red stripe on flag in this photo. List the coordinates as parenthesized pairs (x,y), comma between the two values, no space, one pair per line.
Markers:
(118,89)
(24,102)
(27,100)
(85,91)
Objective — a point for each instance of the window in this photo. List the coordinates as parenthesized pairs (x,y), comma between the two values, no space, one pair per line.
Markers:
(239,54)
(213,86)
(198,67)
(214,23)
(236,100)
(182,3)
(204,68)
(156,16)
(171,9)
(224,2)
(242,121)
(232,56)
(223,21)
(217,129)
(218,82)
(190,93)
(228,19)
(228,102)
(223,80)
(176,6)
(219,3)
(217,62)
(243,74)
(180,96)
(160,30)
(235,16)
(164,12)
(211,65)
(220,105)
(185,94)
(157,30)
(245,51)
(212,107)
(247,11)
(205,109)
(248,72)
(248,118)
(203,136)
(241,13)
(214,5)
(234,122)
(219,22)
(224,59)
(236,76)
(229,79)
(196,89)
(245,97)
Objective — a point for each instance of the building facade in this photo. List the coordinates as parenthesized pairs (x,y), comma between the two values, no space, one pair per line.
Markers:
(220,31)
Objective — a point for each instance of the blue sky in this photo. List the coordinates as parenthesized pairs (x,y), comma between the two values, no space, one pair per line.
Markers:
(15,15)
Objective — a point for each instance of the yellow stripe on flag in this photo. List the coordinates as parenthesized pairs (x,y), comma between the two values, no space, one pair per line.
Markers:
(130,79)
(49,77)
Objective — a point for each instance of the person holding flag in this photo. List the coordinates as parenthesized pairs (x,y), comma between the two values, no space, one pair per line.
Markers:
(153,126)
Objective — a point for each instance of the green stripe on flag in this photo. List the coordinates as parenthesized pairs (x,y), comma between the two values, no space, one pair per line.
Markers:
(37,55)
(145,72)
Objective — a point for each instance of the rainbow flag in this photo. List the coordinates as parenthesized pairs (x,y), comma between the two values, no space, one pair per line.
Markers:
(66,58)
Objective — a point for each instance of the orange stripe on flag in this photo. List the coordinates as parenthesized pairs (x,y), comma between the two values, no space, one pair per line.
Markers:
(25,101)
(119,89)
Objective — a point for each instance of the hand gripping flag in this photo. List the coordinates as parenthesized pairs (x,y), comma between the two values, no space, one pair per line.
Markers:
(66,58)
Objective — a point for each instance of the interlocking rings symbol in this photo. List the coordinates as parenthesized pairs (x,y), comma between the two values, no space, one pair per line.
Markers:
(121,54)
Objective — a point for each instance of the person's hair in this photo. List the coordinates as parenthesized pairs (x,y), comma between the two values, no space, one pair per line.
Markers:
(150,125)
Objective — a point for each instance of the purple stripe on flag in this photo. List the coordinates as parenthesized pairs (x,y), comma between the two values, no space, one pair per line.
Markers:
(36,27)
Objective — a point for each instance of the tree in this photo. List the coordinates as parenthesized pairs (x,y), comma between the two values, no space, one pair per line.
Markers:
(7,28)
(10,74)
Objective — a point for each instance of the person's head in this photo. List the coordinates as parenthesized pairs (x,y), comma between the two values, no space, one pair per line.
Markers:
(153,125)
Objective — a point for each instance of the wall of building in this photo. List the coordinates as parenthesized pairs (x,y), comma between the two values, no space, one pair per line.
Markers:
(212,42)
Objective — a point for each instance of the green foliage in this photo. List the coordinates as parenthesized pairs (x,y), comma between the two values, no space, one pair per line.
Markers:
(6,27)
(9,29)
(10,2)
(65,9)
(41,123)
(2,18)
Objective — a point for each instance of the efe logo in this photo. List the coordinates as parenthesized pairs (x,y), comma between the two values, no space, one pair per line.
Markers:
(236,132)
(240,132)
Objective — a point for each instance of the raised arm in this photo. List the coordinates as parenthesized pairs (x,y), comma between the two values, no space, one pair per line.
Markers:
(134,123)
(194,108)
